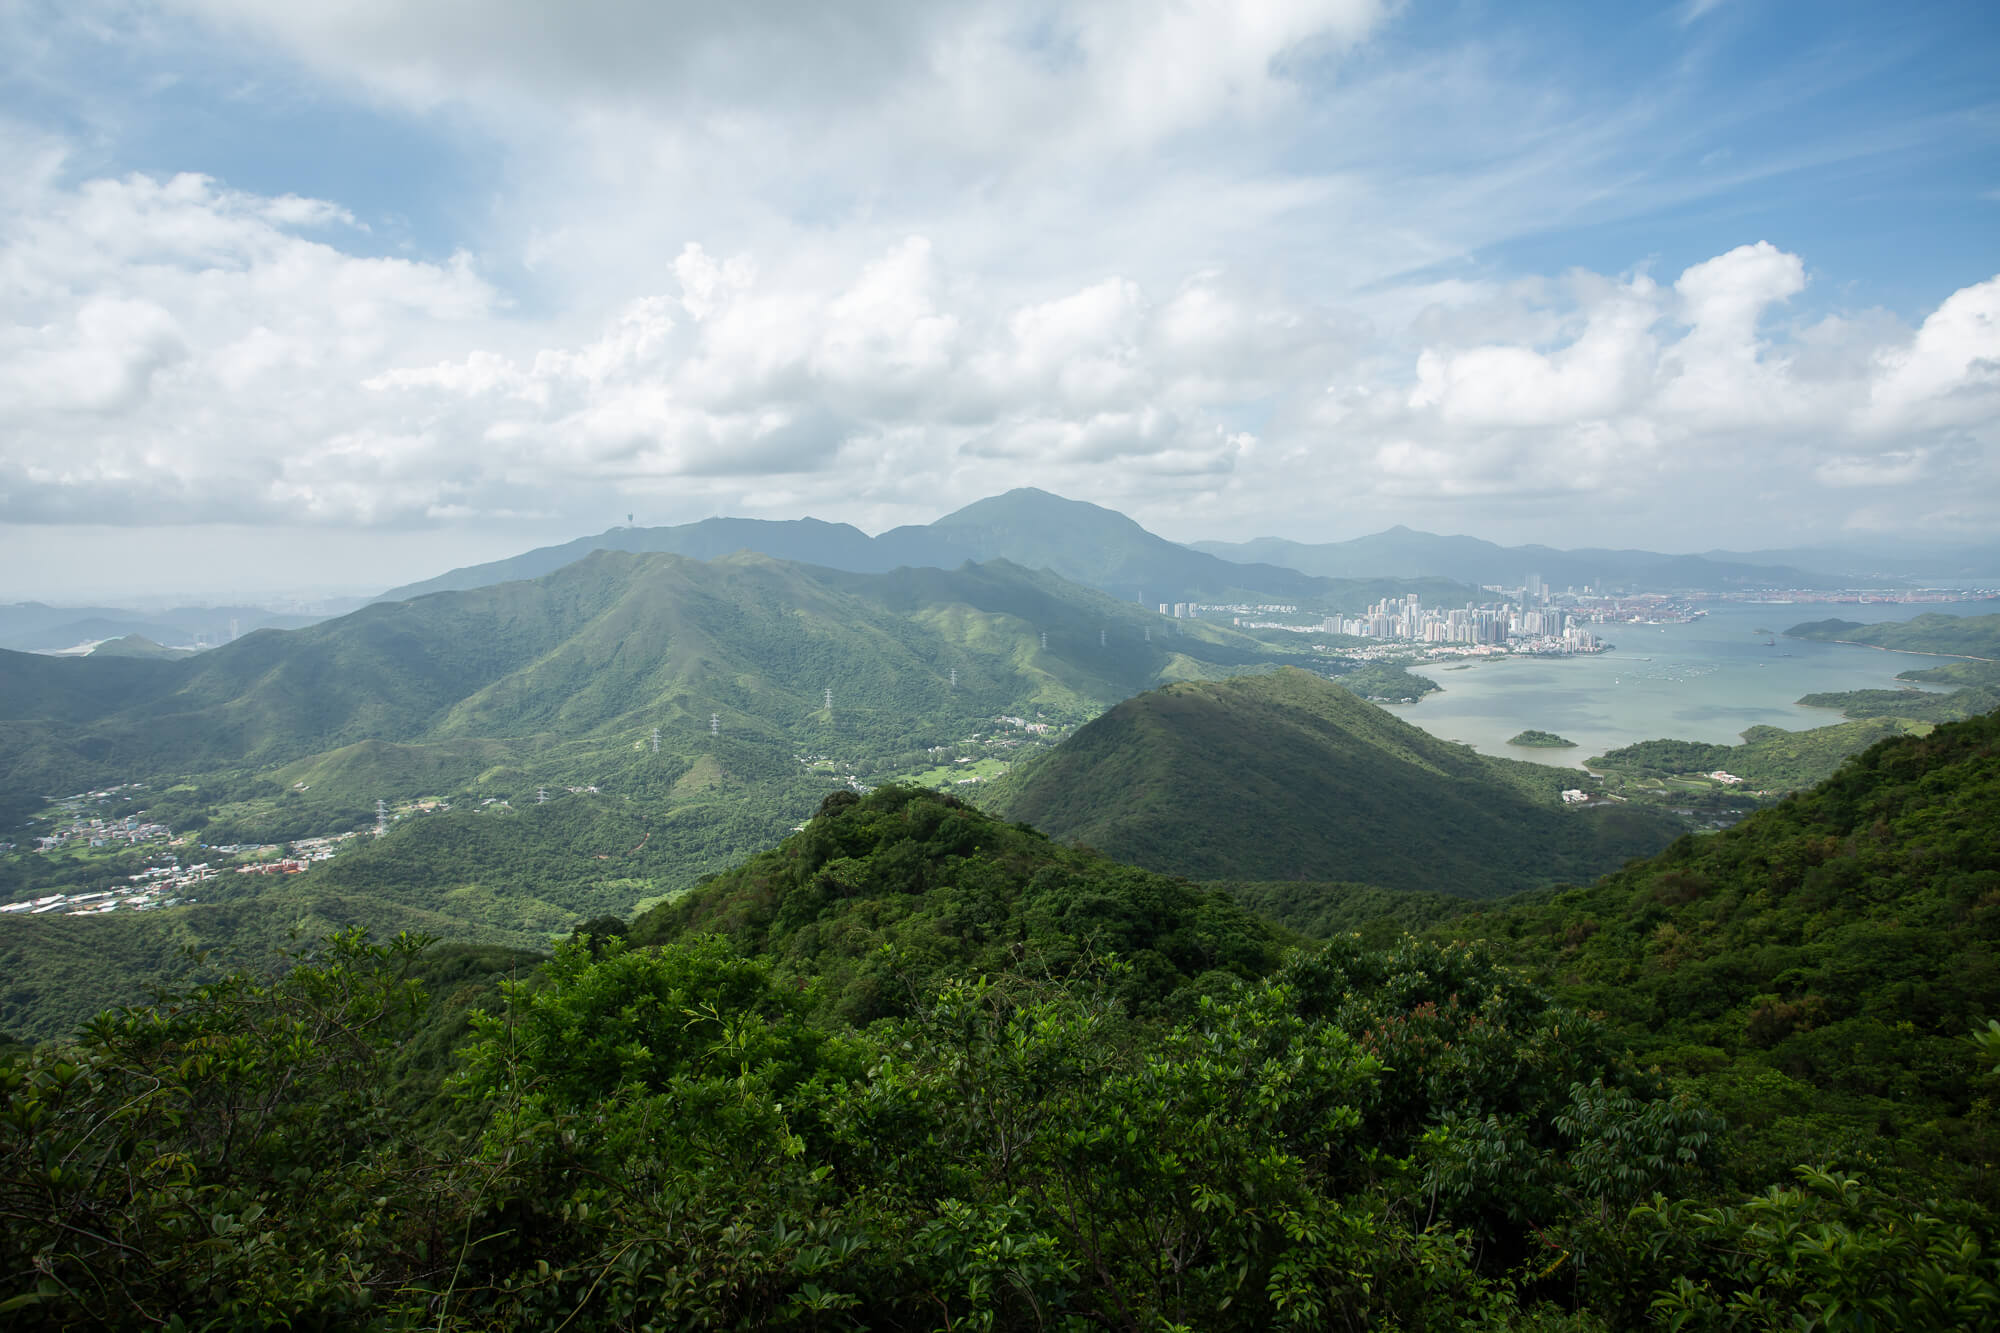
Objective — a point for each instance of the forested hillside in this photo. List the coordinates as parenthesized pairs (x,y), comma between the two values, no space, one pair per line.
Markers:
(915,1067)
(882,897)
(1767,759)
(1812,972)
(1321,786)
(494,692)
(590,742)
(613,644)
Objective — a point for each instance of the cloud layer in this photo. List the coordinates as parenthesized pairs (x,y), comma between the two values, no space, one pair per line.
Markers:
(873,264)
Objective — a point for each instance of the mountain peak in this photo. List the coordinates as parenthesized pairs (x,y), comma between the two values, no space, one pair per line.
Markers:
(1031,502)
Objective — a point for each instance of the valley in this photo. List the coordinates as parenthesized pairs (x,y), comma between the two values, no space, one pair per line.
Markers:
(499,762)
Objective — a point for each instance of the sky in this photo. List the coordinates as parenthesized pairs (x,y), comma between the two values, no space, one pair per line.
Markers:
(305,298)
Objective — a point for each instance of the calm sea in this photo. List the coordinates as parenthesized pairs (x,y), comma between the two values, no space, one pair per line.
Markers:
(1703,681)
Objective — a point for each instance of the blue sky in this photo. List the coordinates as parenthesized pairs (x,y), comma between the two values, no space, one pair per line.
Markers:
(378,288)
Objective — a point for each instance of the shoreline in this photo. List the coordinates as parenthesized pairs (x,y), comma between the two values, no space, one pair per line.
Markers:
(1913,652)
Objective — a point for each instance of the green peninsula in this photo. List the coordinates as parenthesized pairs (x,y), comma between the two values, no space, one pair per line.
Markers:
(1935,632)
(1542,740)
(1976,638)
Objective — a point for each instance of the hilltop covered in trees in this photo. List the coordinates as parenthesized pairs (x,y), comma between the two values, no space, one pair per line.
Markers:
(917,1067)
(1322,785)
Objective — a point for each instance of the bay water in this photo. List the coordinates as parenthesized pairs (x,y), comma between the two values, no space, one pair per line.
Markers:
(1705,680)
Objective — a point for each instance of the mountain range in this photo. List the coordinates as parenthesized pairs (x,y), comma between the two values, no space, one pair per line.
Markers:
(1107,550)
(1471,560)
(1099,548)
(673,713)
(605,649)
(1084,543)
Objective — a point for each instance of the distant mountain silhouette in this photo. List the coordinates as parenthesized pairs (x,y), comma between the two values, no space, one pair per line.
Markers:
(1084,543)
(1402,552)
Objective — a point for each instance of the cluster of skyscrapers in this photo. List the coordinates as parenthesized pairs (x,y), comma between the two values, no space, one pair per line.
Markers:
(1409,620)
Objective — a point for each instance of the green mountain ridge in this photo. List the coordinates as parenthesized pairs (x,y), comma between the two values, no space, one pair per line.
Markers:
(612,642)
(1322,786)
(671,712)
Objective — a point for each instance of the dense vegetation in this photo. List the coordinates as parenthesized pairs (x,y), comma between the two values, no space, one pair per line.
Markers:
(1913,704)
(1323,786)
(1322,911)
(1542,740)
(938,1072)
(55,972)
(904,889)
(506,876)
(1769,758)
(918,1067)
(672,710)
(1814,971)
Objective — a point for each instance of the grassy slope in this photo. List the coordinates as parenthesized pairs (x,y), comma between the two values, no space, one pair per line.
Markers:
(1323,786)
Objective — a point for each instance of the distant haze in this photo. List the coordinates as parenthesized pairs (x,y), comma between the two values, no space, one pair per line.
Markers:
(331,571)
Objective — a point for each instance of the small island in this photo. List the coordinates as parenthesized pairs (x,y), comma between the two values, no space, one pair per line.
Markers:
(1542,740)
